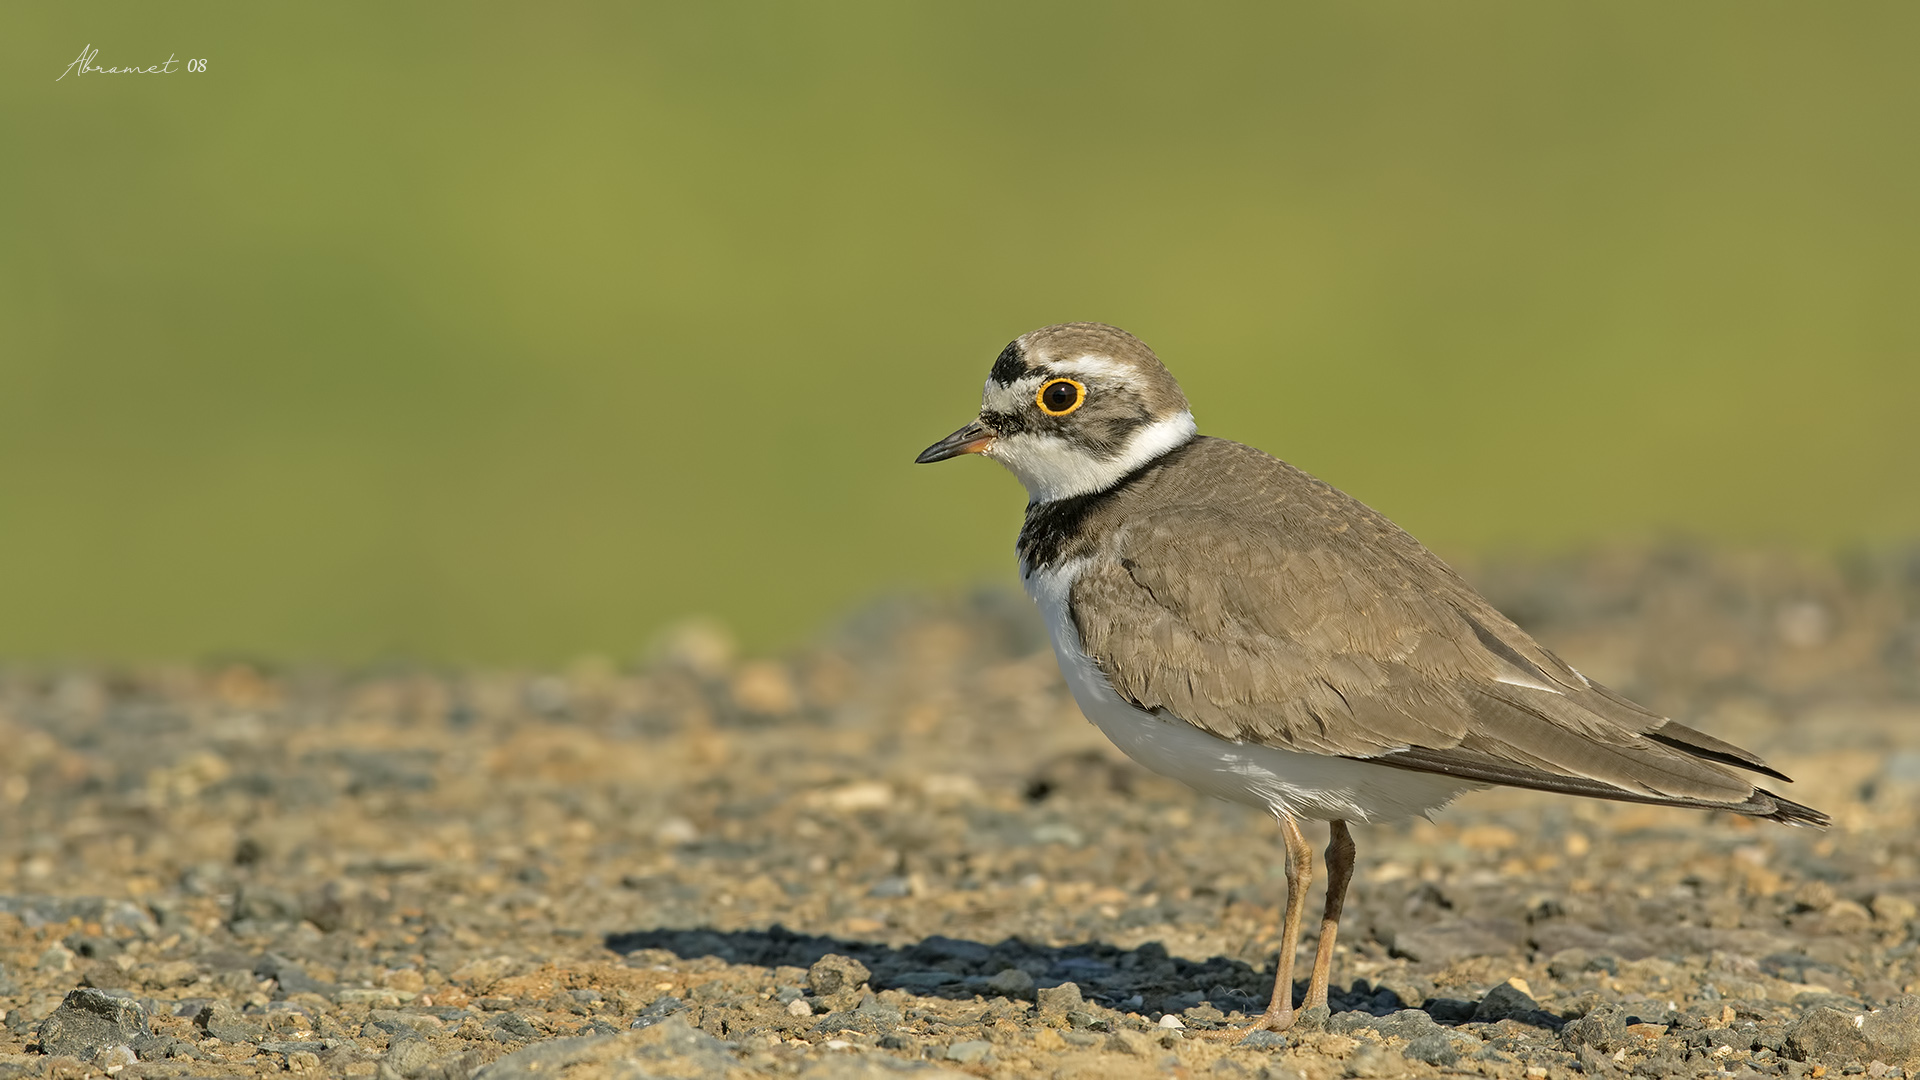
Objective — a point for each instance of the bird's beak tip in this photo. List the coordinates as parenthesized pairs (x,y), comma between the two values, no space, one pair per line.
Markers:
(974,438)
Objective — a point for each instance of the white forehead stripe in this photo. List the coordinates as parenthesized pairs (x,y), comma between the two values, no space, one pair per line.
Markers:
(999,397)
(1092,366)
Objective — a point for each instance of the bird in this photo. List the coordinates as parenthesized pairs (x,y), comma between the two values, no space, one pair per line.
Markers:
(1232,622)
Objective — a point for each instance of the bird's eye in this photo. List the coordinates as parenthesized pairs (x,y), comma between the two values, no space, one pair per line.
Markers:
(1058,397)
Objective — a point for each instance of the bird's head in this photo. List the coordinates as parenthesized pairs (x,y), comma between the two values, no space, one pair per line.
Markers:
(1071,409)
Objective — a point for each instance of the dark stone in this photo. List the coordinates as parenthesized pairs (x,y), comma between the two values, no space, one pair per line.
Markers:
(658,1011)
(1826,1036)
(871,1017)
(1406,1024)
(1083,1020)
(1079,969)
(1310,1020)
(1434,1048)
(878,1011)
(834,973)
(1450,1010)
(936,949)
(89,1021)
(1060,1000)
(400,1024)
(1011,983)
(1713,1038)
(1593,1062)
(512,1026)
(1262,1040)
(922,982)
(160,1047)
(1506,1002)
(1604,1028)
(1664,1063)
(1895,1031)
(219,1020)
(1177,1003)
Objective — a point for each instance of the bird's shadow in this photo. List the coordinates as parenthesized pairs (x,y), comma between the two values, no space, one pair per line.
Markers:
(1146,979)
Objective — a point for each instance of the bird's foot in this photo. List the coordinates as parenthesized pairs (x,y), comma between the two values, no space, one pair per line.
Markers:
(1274,1020)
(1305,1018)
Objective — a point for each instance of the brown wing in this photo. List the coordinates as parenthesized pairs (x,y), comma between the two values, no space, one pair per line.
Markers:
(1289,614)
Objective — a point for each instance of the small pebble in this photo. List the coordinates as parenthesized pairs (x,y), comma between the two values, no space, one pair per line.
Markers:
(1263,1040)
(1059,1000)
(1011,982)
(833,974)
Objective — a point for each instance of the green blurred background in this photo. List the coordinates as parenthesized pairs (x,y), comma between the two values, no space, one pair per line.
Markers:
(511,332)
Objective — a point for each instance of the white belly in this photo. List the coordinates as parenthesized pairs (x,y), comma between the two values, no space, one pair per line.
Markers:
(1284,782)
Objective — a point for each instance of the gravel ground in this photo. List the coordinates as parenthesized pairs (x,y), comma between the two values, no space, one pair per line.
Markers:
(901,850)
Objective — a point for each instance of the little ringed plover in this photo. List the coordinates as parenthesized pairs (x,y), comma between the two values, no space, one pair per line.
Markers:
(1236,624)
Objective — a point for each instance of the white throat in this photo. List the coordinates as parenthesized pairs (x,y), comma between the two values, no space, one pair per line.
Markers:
(1052,468)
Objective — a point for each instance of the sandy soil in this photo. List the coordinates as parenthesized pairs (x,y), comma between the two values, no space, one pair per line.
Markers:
(901,850)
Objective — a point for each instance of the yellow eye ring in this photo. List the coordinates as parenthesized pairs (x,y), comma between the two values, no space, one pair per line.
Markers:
(1058,397)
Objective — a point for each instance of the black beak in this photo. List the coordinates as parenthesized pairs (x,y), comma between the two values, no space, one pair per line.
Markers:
(968,440)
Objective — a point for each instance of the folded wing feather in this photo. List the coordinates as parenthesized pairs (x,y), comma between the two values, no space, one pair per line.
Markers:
(1299,618)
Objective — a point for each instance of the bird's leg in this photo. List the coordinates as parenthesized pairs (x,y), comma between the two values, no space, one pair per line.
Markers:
(1280,1015)
(1339,874)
